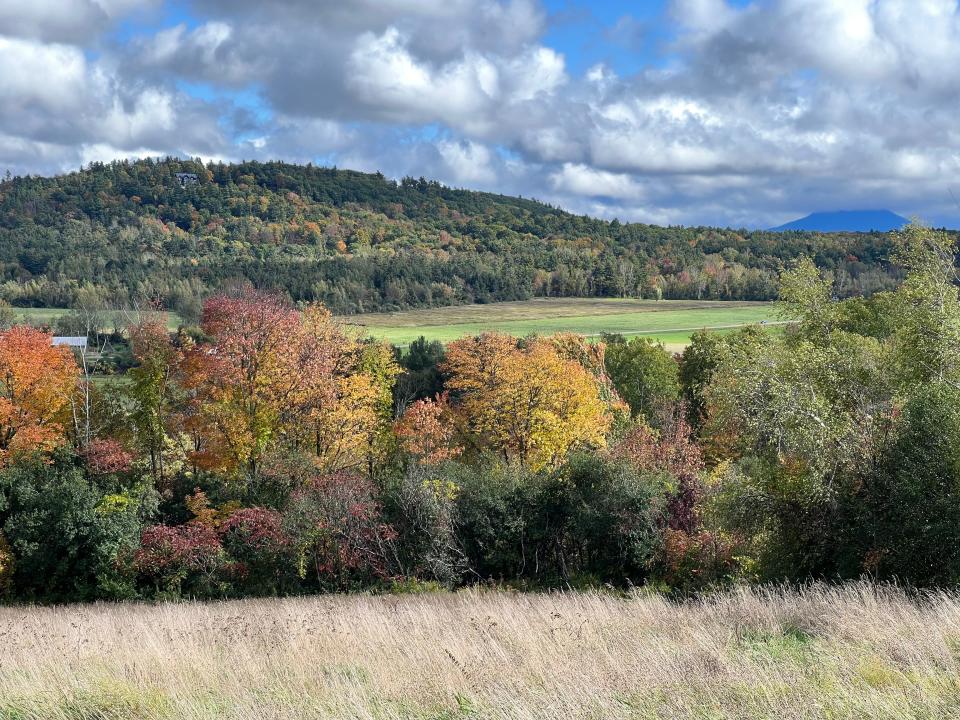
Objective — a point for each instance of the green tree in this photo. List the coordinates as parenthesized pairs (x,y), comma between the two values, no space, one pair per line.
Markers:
(927,338)
(701,358)
(153,389)
(906,514)
(66,533)
(645,375)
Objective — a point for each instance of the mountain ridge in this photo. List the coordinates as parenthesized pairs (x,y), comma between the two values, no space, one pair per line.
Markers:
(846,221)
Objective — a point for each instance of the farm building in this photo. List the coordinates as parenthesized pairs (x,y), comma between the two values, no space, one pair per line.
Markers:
(70,341)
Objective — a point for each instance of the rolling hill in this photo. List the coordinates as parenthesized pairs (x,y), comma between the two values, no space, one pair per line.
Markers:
(127,232)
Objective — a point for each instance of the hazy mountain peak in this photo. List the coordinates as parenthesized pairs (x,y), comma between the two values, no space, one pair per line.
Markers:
(847,221)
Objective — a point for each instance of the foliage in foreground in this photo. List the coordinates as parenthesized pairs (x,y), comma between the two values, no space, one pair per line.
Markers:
(270,452)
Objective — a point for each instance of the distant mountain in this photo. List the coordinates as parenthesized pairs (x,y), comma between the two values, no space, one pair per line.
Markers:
(847,221)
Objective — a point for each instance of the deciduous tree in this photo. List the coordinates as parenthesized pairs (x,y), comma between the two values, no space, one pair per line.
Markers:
(37,381)
(525,401)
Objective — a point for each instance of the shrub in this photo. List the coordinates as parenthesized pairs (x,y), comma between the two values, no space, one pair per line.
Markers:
(696,561)
(262,551)
(182,560)
(594,517)
(6,566)
(107,456)
(421,506)
(907,513)
(672,452)
(65,533)
(494,505)
(608,519)
(340,538)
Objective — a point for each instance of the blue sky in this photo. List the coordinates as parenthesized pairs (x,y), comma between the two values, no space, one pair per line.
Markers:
(727,112)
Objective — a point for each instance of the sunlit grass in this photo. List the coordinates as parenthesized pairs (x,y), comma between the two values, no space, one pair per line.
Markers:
(669,321)
(851,652)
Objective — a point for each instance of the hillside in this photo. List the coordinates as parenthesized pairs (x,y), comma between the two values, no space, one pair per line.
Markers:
(847,221)
(126,231)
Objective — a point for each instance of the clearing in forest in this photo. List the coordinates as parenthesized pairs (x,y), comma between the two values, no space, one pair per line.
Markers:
(669,321)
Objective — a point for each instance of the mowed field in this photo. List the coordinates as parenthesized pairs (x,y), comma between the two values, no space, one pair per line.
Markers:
(669,321)
(48,316)
(857,651)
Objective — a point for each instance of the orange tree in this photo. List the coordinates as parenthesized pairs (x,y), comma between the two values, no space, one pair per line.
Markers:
(37,381)
(525,399)
(274,377)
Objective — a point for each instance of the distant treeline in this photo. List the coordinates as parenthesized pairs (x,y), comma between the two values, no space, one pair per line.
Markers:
(124,232)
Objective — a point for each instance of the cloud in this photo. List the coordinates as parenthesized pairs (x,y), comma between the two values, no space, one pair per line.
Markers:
(64,21)
(578,179)
(81,111)
(467,163)
(755,113)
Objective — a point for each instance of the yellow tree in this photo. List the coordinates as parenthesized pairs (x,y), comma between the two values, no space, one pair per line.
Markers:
(274,377)
(526,401)
(37,381)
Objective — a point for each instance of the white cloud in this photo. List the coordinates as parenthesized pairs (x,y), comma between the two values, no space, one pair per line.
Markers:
(23,63)
(578,179)
(70,21)
(467,163)
(58,109)
(766,109)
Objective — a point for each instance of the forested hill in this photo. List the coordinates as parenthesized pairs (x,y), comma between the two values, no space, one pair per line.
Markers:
(125,231)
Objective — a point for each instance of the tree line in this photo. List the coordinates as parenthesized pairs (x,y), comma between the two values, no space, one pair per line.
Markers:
(127,232)
(271,451)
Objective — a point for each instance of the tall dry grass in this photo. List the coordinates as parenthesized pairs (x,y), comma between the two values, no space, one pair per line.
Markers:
(853,651)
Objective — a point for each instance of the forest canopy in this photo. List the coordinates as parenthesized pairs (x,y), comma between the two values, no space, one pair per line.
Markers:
(127,232)
(269,452)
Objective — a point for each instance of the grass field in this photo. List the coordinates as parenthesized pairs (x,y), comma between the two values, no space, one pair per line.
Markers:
(670,321)
(47,316)
(851,652)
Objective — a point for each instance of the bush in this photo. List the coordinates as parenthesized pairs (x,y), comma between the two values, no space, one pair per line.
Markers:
(907,514)
(608,520)
(421,507)
(182,561)
(340,538)
(595,518)
(696,561)
(65,534)
(6,566)
(262,552)
(494,506)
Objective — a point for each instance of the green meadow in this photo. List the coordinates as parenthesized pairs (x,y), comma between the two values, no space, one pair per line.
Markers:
(48,316)
(671,322)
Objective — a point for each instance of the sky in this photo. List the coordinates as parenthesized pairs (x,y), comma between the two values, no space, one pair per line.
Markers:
(676,112)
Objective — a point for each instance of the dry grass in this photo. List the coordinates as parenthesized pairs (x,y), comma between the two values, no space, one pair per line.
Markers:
(851,652)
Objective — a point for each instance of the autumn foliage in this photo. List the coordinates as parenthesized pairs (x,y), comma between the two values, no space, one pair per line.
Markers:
(37,381)
(276,377)
(107,455)
(525,400)
(427,430)
(269,451)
